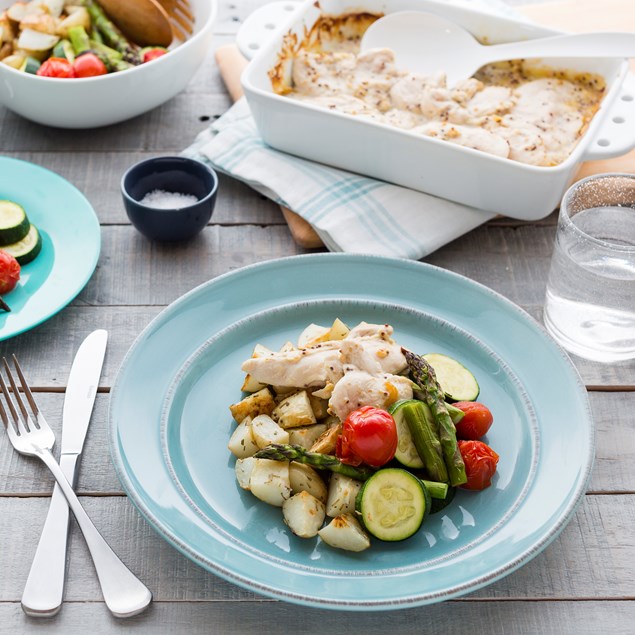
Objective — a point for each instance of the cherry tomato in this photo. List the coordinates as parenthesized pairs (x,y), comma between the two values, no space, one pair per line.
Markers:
(56,67)
(89,65)
(480,464)
(9,272)
(476,422)
(369,435)
(152,53)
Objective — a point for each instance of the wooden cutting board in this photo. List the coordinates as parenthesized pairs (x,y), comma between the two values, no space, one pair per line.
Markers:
(569,15)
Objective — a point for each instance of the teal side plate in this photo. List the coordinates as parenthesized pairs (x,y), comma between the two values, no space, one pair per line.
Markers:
(71,242)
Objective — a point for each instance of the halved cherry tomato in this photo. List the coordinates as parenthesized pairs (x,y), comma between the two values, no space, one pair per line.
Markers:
(476,422)
(89,65)
(369,435)
(56,67)
(9,272)
(152,53)
(480,464)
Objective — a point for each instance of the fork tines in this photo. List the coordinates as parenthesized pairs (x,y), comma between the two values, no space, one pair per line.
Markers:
(10,400)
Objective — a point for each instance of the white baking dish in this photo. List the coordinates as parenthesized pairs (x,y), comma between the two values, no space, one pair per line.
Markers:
(437,167)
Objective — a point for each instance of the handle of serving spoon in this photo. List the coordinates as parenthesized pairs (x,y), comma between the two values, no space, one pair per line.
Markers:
(570,45)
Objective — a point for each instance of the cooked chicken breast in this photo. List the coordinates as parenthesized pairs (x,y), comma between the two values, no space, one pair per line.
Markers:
(368,347)
(302,368)
(535,117)
(468,136)
(359,388)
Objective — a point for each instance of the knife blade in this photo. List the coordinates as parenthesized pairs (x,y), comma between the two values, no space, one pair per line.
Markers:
(44,589)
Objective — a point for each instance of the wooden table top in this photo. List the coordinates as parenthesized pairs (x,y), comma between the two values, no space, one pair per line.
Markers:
(582,582)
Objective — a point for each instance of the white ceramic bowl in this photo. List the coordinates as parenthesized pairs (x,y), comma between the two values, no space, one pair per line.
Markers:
(422,163)
(99,101)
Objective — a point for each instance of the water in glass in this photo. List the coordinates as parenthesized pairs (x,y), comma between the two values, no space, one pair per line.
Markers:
(590,303)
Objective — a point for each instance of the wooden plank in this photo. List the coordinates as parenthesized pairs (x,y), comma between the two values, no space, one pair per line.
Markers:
(155,130)
(98,177)
(136,271)
(590,559)
(263,618)
(141,272)
(612,473)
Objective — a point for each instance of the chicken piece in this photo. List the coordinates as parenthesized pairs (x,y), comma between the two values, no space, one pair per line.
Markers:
(370,347)
(492,100)
(526,142)
(374,76)
(544,125)
(376,63)
(372,354)
(320,74)
(346,104)
(465,90)
(301,368)
(427,96)
(468,136)
(403,119)
(358,388)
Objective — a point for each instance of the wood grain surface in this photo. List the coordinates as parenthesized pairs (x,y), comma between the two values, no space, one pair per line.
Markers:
(582,583)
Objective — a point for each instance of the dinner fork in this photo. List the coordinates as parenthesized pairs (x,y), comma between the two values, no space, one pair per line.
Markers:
(124,594)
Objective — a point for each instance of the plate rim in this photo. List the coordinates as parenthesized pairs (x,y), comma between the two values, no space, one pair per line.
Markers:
(81,281)
(564,516)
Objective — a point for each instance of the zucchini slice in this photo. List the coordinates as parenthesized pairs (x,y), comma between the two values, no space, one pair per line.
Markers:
(392,504)
(406,452)
(31,65)
(14,224)
(26,249)
(457,382)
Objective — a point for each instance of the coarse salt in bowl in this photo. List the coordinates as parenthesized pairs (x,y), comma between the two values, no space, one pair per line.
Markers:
(169,198)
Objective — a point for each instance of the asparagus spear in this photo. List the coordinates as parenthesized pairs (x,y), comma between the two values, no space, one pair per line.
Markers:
(425,436)
(285,452)
(111,34)
(423,374)
(438,491)
(110,57)
(82,43)
(79,39)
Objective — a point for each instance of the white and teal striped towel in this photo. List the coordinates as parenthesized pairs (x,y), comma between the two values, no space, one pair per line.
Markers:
(351,213)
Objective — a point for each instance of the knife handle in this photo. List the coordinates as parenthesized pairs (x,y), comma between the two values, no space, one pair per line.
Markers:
(44,589)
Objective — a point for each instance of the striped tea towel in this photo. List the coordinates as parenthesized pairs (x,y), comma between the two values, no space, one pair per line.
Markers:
(351,213)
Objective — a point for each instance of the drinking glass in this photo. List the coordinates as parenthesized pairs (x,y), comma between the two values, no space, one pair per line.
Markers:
(590,301)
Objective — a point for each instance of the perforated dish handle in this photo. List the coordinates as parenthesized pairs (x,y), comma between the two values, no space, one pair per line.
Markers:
(260,25)
(616,135)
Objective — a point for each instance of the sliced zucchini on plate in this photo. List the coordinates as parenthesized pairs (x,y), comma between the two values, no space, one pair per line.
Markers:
(406,452)
(458,383)
(14,223)
(26,249)
(393,503)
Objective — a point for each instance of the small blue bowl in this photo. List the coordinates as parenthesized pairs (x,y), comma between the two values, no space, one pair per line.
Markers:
(166,180)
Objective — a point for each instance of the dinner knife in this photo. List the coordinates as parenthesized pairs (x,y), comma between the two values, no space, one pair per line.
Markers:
(44,588)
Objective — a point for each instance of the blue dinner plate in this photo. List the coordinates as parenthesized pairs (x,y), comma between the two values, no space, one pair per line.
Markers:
(170,424)
(71,243)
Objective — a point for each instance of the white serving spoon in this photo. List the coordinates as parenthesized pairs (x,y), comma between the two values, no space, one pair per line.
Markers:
(427,43)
